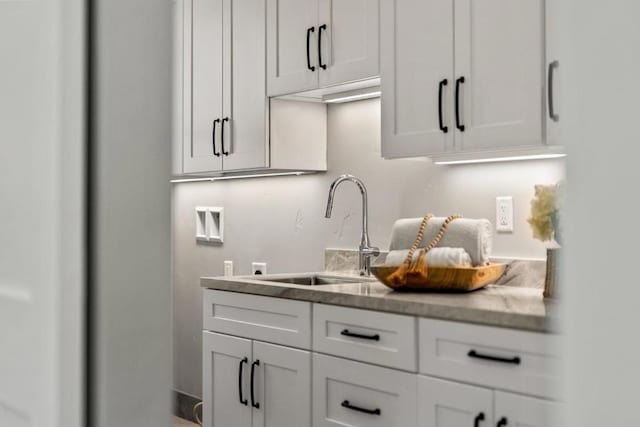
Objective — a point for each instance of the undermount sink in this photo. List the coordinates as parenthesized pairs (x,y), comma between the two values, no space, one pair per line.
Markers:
(316,279)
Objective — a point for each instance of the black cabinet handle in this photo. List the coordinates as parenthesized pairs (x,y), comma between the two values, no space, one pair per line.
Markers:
(514,360)
(346,404)
(348,333)
(226,119)
(242,399)
(320,64)
(253,371)
(441,86)
(479,417)
(458,124)
(503,422)
(213,137)
(554,65)
(309,31)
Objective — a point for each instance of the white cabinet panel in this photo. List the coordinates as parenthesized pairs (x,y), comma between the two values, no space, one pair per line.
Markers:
(494,357)
(554,73)
(350,47)
(369,336)
(499,52)
(203,84)
(283,386)
(245,101)
(287,25)
(347,393)
(270,319)
(449,404)
(512,410)
(416,46)
(222,358)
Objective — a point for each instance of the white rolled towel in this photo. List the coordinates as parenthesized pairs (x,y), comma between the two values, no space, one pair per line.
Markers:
(436,257)
(472,235)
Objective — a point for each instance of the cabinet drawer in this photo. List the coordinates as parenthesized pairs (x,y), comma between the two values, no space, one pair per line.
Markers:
(347,393)
(369,336)
(268,319)
(493,357)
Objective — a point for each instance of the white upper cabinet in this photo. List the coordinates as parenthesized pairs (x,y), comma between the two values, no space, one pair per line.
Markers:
(315,44)
(417,77)
(349,33)
(498,65)
(203,69)
(554,75)
(461,76)
(292,46)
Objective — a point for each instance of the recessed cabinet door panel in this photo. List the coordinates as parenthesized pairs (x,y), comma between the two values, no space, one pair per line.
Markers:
(449,404)
(499,52)
(221,358)
(416,55)
(205,25)
(283,386)
(287,25)
(349,47)
(245,100)
(523,411)
(553,83)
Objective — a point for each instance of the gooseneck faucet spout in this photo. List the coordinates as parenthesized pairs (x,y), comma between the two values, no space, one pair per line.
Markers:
(366,252)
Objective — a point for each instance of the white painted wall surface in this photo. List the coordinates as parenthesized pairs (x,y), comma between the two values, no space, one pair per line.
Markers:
(281,220)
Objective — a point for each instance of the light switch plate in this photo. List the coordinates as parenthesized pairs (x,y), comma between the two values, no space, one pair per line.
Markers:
(504,214)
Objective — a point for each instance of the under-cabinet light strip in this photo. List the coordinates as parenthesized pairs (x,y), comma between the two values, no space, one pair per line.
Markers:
(224,178)
(500,159)
(357,97)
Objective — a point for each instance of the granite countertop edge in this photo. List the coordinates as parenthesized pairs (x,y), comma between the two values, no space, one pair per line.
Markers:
(466,308)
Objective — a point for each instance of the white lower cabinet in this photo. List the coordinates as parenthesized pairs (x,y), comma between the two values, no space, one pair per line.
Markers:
(347,393)
(253,384)
(451,404)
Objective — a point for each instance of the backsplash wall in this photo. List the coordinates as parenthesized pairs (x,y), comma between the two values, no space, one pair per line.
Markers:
(280,220)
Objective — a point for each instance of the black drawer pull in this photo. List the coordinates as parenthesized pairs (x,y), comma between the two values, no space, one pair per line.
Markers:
(503,422)
(320,64)
(253,371)
(459,124)
(309,31)
(346,404)
(441,86)
(479,417)
(226,119)
(243,401)
(552,113)
(213,136)
(514,360)
(348,333)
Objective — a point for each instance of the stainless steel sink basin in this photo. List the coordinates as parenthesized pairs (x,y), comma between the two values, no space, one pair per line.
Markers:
(315,279)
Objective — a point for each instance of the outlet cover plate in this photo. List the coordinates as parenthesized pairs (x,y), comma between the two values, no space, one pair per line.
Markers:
(504,214)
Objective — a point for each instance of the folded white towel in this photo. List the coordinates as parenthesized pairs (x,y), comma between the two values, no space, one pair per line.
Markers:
(436,257)
(472,235)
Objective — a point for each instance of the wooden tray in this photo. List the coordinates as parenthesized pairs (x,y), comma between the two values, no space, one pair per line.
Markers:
(450,279)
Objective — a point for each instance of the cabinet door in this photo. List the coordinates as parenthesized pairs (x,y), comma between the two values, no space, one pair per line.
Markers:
(416,60)
(350,47)
(282,386)
(245,100)
(222,386)
(499,52)
(554,73)
(203,84)
(287,25)
(450,404)
(347,393)
(512,410)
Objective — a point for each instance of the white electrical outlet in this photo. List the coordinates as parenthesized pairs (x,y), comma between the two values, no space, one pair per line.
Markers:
(504,214)
(258,268)
(228,268)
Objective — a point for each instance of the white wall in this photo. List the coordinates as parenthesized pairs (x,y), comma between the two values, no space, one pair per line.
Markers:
(602,59)
(281,220)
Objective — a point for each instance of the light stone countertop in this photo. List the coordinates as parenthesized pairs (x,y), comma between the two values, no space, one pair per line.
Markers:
(494,305)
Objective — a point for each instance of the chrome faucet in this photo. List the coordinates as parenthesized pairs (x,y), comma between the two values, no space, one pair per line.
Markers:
(366,252)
